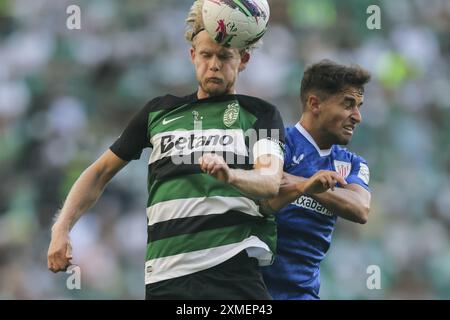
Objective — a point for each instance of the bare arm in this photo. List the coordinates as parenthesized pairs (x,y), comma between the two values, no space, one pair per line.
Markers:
(261,182)
(83,194)
(351,202)
(293,187)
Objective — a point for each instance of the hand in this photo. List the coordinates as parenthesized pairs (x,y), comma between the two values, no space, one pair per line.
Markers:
(321,181)
(215,166)
(59,252)
(289,181)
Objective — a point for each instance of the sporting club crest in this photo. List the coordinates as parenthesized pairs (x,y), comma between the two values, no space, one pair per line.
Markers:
(231,114)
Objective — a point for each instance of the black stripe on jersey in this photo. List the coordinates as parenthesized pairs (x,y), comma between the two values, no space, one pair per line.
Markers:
(181,226)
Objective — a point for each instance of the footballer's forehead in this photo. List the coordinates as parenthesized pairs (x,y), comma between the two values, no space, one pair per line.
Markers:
(356,93)
(349,94)
(204,42)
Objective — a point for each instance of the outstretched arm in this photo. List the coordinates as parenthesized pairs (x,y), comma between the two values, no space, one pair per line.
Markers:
(351,201)
(261,182)
(83,194)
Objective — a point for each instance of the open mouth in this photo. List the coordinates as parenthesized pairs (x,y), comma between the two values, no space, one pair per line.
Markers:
(349,129)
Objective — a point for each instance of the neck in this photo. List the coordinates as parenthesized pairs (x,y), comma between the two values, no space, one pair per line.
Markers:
(315,133)
(201,94)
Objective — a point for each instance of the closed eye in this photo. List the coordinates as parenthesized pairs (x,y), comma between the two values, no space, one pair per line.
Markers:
(349,102)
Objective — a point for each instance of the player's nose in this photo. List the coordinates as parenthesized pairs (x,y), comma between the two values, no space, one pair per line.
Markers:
(215,64)
(356,116)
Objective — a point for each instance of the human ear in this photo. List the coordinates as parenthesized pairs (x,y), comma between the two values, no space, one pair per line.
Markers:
(313,103)
(245,58)
(192,52)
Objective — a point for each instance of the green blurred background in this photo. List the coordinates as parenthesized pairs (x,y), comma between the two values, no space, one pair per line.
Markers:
(65,95)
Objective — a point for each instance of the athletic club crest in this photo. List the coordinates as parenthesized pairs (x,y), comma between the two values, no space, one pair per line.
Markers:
(342,168)
(231,114)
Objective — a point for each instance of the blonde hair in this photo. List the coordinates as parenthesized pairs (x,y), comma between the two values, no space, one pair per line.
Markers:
(194,21)
(194,25)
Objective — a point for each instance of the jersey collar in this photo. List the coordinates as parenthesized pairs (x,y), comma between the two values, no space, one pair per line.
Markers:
(303,132)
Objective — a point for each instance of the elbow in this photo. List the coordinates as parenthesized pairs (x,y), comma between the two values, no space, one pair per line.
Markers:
(272,191)
(363,215)
(362,220)
(271,194)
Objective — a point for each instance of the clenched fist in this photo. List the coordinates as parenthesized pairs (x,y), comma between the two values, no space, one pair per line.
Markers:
(59,252)
(321,181)
(215,166)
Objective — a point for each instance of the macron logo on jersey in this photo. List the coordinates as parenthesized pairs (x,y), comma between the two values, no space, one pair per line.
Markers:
(298,159)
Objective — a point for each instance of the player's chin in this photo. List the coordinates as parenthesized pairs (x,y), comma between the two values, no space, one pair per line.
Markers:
(215,89)
(344,139)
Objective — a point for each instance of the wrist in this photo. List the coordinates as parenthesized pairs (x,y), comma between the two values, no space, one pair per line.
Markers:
(301,186)
(60,228)
(232,176)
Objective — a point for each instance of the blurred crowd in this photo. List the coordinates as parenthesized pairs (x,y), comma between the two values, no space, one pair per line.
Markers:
(66,95)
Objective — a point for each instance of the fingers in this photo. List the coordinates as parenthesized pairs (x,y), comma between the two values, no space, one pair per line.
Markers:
(210,162)
(324,180)
(329,179)
(341,180)
(330,182)
(215,166)
(335,179)
(58,262)
(69,251)
(59,256)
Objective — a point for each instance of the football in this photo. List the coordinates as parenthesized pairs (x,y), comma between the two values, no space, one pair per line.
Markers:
(236,23)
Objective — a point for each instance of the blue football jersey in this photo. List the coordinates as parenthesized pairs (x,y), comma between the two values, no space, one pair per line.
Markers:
(305,226)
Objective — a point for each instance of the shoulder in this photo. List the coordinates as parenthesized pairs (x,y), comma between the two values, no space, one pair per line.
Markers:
(358,172)
(290,131)
(344,154)
(289,135)
(296,139)
(256,105)
(167,102)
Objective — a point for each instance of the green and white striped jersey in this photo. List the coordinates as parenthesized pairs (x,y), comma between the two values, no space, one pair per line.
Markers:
(195,221)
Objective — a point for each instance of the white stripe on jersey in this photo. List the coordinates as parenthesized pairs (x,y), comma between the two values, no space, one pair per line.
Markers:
(178,265)
(192,207)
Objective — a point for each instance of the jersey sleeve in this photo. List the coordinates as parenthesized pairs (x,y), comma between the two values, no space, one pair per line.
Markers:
(270,137)
(134,138)
(360,173)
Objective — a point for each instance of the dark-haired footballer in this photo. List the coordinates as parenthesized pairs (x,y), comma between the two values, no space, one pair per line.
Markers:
(322,180)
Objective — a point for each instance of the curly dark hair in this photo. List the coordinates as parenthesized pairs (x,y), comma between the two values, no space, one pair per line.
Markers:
(327,78)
